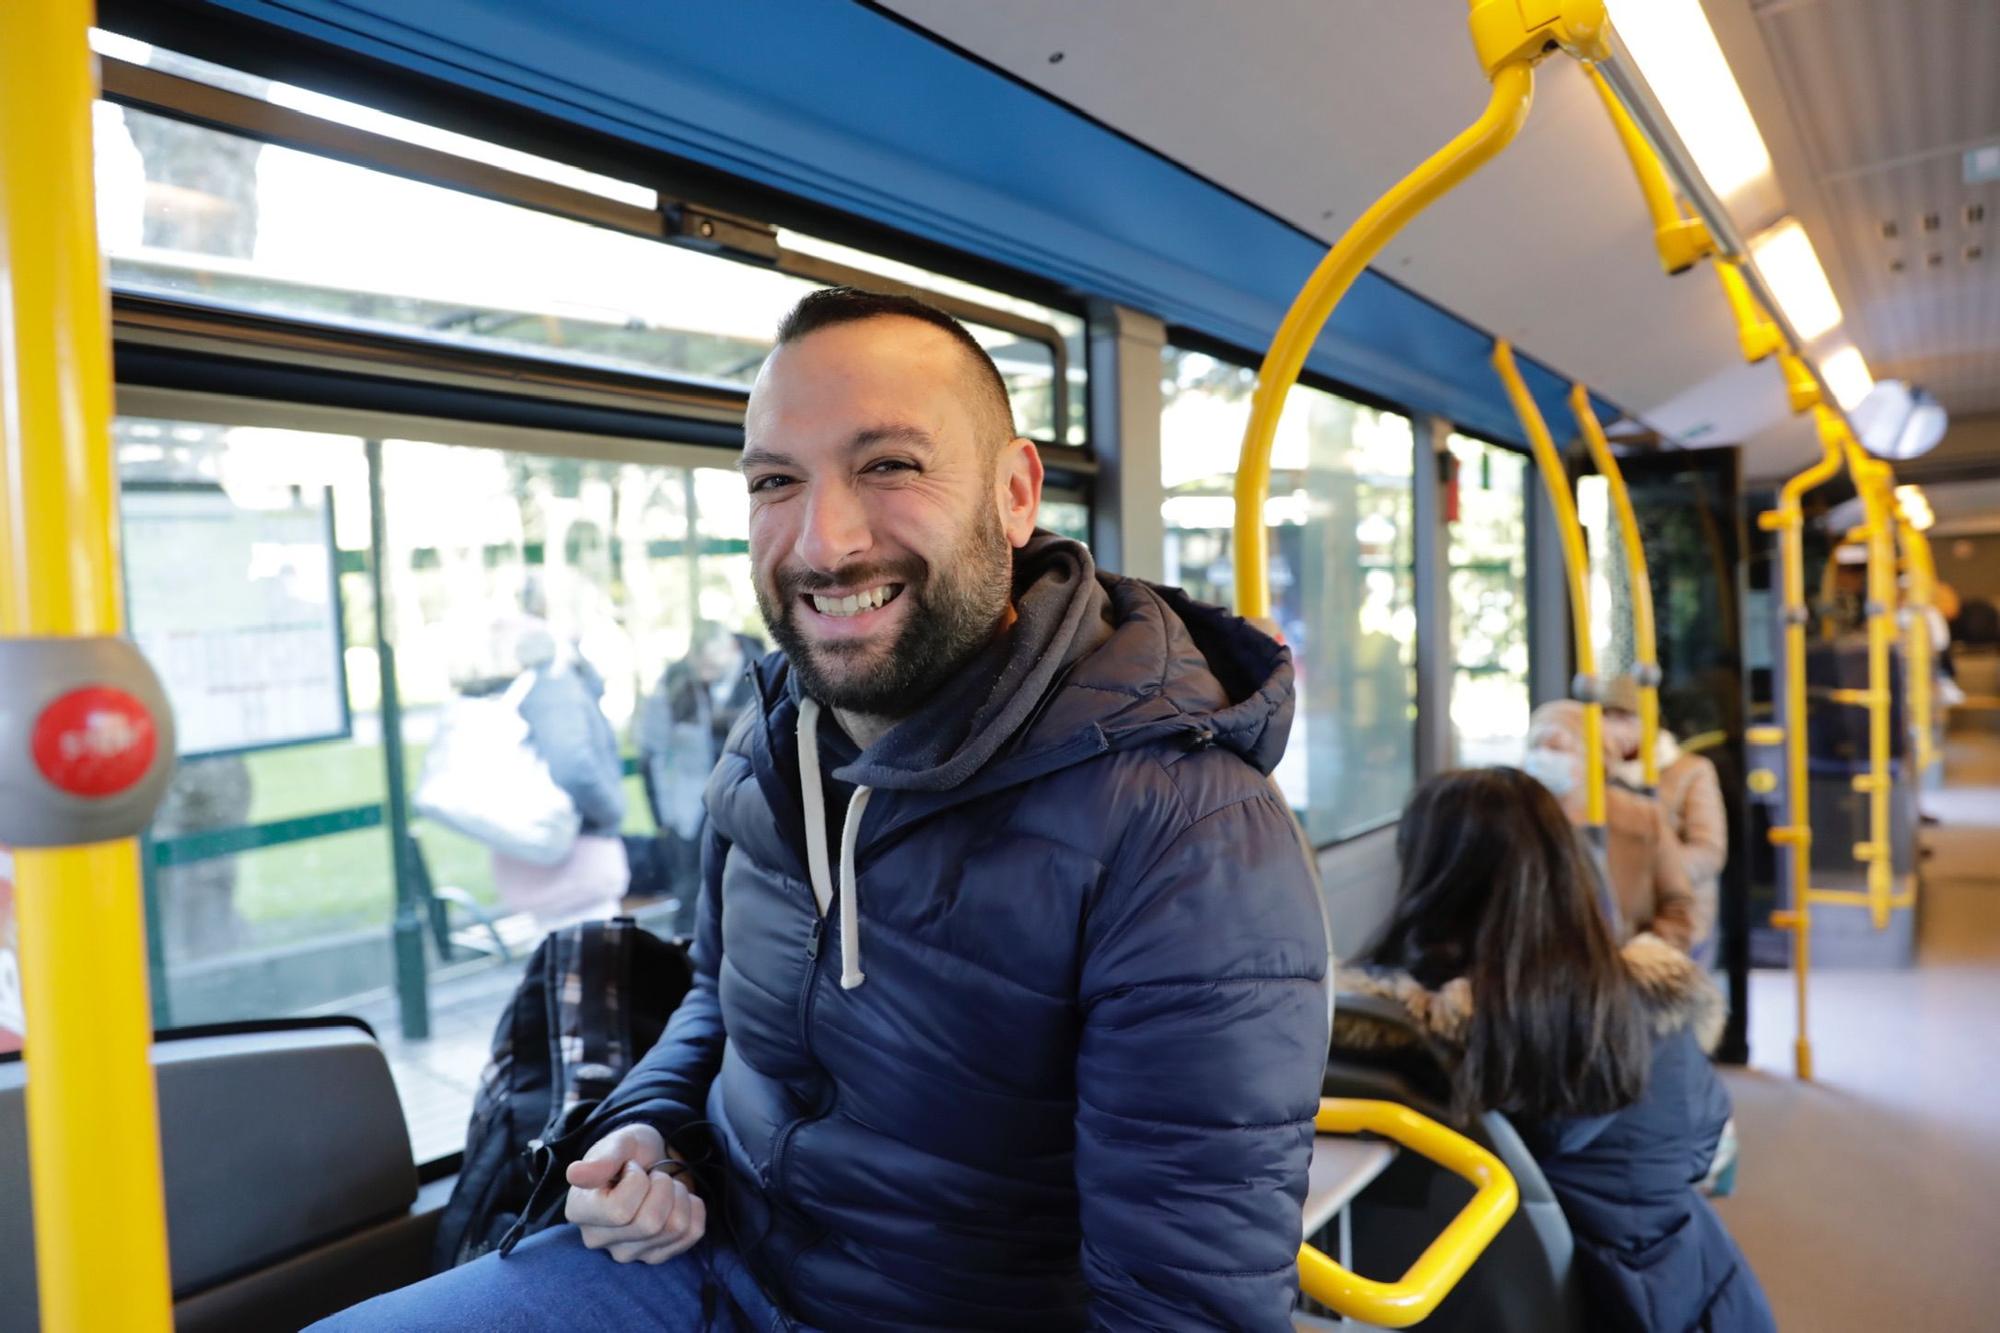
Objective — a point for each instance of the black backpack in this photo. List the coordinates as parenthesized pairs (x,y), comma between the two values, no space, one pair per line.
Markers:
(559,1050)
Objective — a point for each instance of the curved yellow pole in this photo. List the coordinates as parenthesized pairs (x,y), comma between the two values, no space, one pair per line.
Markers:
(1788,521)
(1437,1270)
(1917,653)
(1875,482)
(1645,637)
(93,1130)
(1576,565)
(1513,87)
(1682,241)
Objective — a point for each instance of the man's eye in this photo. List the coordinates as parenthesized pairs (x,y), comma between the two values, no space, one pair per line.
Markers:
(888,465)
(768,483)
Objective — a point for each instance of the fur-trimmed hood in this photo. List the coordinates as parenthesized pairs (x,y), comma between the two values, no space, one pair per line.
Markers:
(1677,993)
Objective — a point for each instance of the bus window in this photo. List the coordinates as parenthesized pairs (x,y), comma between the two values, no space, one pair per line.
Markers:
(1489,605)
(270,879)
(1342,574)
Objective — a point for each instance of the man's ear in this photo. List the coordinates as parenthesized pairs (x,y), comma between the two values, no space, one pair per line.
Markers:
(1019,489)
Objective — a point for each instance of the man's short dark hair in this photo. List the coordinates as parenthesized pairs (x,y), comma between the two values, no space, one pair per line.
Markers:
(849,305)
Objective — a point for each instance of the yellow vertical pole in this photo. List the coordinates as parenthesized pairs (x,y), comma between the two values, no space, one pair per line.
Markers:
(1918,652)
(1788,521)
(1576,565)
(1645,636)
(93,1130)
(1874,480)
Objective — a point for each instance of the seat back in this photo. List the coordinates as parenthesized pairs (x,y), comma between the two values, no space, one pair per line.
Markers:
(277,1140)
(1525,1281)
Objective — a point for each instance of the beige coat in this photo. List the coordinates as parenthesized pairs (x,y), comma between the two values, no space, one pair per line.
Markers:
(1691,795)
(1642,856)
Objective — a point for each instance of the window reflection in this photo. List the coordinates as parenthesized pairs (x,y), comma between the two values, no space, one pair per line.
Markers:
(1489,604)
(1341,575)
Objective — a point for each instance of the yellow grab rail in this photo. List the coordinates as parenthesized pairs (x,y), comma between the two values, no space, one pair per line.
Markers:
(1801,389)
(1795,834)
(1876,483)
(1576,565)
(1917,652)
(1683,241)
(1513,88)
(1645,637)
(1437,1270)
(1756,332)
(93,1130)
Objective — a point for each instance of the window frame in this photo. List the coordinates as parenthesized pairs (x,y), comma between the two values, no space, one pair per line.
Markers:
(672,221)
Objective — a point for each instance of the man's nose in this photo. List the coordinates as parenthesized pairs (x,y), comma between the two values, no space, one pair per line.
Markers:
(836,528)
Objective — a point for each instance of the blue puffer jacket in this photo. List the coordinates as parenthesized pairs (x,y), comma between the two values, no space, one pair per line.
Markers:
(1652,1255)
(1075,1088)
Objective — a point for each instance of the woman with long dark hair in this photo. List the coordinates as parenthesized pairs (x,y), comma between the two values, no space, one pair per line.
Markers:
(1498,949)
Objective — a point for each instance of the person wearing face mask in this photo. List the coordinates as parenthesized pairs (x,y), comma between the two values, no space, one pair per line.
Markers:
(1642,857)
(1689,794)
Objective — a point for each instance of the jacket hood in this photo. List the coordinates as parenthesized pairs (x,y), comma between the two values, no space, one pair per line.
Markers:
(1677,994)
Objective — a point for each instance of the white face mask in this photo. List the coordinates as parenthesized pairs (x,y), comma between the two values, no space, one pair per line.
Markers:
(1553,769)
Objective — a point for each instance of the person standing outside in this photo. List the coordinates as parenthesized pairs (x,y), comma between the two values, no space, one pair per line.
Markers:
(679,735)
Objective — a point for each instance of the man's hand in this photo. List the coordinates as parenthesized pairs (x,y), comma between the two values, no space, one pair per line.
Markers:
(623,1206)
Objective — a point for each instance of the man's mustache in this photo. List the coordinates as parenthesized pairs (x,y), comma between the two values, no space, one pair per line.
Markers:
(799,582)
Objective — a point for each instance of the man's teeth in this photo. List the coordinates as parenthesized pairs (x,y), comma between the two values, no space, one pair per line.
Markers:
(848,606)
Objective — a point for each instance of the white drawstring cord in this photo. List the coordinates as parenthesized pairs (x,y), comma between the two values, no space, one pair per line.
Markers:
(850,906)
(812,791)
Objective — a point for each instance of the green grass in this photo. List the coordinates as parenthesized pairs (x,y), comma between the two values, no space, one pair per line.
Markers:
(344,881)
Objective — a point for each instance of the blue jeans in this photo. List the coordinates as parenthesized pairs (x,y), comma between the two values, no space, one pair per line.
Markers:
(551,1281)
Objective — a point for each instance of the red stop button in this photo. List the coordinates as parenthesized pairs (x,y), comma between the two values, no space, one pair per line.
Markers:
(94,741)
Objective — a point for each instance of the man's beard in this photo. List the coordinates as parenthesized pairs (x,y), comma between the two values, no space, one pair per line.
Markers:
(955,606)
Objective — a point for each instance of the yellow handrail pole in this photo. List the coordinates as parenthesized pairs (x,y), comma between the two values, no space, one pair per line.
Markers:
(1873,479)
(1644,634)
(1788,522)
(1757,334)
(1683,241)
(1437,1270)
(1513,88)
(1923,591)
(93,1131)
(1576,565)
(1801,389)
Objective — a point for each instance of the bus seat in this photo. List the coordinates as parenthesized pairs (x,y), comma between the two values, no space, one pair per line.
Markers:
(289,1178)
(1525,1280)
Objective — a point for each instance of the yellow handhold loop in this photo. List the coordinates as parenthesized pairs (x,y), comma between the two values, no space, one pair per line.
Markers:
(1411,1299)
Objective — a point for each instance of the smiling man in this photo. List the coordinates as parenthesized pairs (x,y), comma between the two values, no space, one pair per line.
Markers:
(1010,1007)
